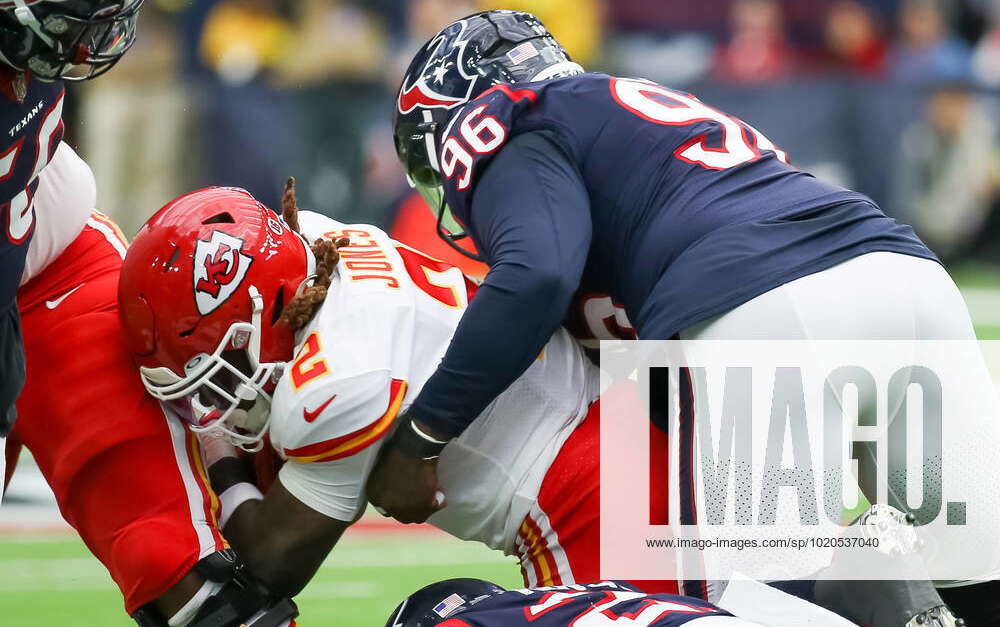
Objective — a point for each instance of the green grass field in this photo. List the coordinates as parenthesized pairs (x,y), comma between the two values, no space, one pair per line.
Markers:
(46,582)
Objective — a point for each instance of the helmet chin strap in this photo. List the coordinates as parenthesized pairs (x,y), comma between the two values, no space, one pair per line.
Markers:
(26,17)
(450,238)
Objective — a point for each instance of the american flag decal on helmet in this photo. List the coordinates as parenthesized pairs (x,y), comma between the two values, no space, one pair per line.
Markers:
(449,605)
(522,52)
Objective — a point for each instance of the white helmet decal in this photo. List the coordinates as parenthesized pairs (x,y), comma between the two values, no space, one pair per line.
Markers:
(220,266)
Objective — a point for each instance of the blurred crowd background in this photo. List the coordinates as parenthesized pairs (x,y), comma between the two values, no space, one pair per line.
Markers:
(895,98)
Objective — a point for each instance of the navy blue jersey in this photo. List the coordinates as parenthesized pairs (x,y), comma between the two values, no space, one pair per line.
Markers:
(623,190)
(582,605)
(30,129)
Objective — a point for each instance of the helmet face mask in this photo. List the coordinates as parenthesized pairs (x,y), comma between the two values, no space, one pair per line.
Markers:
(420,161)
(72,40)
(458,64)
(448,227)
(226,394)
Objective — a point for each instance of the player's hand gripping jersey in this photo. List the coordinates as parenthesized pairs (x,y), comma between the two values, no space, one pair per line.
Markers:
(388,317)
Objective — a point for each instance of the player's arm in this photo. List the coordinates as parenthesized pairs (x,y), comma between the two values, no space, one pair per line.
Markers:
(530,217)
(282,540)
(285,536)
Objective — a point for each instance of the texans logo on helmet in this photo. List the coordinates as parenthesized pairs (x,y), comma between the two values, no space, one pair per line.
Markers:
(219,267)
(440,68)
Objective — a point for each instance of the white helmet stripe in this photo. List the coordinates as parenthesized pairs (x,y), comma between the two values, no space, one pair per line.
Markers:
(565,68)
(257,302)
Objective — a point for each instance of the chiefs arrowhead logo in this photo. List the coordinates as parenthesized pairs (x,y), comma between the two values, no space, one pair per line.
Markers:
(219,267)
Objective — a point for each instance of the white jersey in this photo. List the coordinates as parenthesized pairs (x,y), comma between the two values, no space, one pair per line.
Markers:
(64,200)
(387,320)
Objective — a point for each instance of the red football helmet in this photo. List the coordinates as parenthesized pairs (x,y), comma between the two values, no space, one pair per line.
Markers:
(200,298)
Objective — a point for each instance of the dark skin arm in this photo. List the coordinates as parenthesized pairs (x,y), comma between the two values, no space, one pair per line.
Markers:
(423,474)
(171,601)
(282,541)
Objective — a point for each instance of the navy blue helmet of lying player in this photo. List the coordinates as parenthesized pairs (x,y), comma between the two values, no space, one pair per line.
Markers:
(478,603)
(623,208)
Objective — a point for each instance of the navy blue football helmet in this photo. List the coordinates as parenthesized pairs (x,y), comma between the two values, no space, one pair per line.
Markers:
(434,603)
(457,65)
(66,39)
